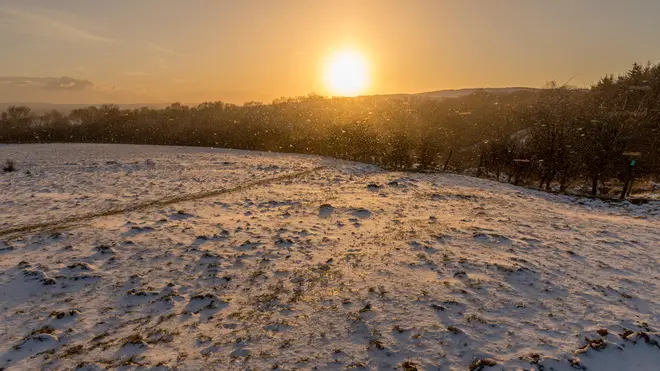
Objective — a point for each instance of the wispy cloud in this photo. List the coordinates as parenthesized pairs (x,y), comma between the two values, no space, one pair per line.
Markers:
(44,25)
(67,90)
(47,83)
(135,73)
(160,49)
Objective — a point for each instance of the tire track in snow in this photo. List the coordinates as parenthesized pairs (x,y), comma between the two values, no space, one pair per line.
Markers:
(161,202)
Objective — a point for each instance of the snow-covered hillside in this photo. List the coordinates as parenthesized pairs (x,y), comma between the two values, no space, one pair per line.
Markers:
(299,262)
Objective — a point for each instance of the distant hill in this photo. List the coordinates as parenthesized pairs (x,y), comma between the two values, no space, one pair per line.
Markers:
(455,93)
(42,107)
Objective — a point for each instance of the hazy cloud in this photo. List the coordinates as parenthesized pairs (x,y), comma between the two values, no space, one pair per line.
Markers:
(48,83)
(67,90)
(45,26)
(160,49)
(135,73)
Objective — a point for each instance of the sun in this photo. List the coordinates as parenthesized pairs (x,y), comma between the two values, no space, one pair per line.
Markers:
(347,73)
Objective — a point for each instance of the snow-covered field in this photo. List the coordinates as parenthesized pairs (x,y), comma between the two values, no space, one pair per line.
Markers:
(77,179)
(343,267)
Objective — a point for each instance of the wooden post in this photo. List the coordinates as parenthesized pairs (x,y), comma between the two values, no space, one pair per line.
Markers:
(630,186)
(626,184)
(447,162)
(629,175)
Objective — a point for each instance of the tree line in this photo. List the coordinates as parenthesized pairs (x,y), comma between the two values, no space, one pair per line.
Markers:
(558,136)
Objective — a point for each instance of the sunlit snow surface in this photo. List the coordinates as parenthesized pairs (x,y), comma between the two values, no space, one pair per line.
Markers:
(347,267)
(71,179)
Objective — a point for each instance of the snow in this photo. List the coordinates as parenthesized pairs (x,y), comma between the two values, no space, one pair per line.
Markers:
(333,268)
(75,179)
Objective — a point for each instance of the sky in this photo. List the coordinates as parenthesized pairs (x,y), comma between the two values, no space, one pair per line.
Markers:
(159,51)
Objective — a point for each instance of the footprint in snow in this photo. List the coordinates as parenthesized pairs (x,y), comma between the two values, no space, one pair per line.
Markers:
(373,187)
(361,213)
(326,210)
(204,302)
(104,250)
(491,238)
(135,230)
(77,267)
(180,215)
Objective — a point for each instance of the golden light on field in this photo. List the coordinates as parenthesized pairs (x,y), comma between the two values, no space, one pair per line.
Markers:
(347,73)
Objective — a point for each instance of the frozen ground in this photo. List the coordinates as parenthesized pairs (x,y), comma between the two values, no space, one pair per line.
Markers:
(75,179)
(346,267)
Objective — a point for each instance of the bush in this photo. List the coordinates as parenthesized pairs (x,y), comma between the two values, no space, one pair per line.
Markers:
(9,166)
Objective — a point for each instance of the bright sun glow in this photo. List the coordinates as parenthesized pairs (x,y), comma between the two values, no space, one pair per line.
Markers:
(347,73)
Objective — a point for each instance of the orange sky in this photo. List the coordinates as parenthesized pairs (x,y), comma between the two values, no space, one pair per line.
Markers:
(190,51)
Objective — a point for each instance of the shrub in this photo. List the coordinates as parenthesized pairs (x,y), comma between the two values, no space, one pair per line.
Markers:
(9,166)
